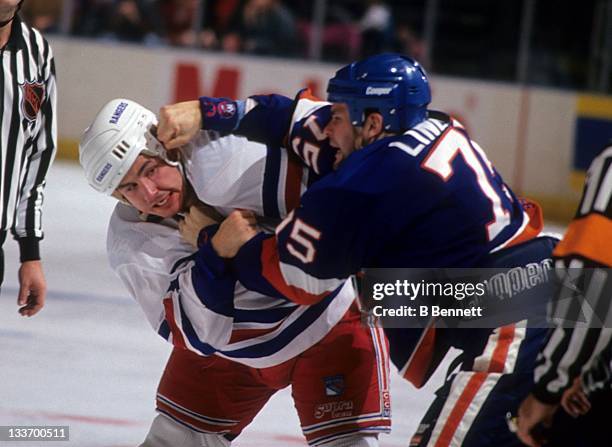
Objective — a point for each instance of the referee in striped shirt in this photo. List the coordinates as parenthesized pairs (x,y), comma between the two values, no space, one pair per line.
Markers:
(586,248)
(28,134)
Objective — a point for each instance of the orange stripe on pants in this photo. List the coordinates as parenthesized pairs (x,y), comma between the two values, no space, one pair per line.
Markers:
(464,401)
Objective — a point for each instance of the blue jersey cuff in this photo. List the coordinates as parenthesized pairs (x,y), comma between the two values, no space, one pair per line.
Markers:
(221,114)
(207,258)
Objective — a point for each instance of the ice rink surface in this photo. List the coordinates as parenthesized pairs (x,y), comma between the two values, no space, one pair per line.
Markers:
(90,361)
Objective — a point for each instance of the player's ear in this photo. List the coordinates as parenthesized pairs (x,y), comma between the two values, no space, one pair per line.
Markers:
(373,125)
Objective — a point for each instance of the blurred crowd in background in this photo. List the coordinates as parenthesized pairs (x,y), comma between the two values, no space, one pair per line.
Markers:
(568,46)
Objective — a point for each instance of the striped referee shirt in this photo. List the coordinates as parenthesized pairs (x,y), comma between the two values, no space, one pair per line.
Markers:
(28,134)
(586,248)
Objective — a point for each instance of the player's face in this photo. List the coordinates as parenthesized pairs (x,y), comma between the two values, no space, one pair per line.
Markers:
(341,132)
(153,187)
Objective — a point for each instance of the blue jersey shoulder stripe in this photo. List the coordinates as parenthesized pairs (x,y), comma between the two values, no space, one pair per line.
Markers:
(181,261)
(193,338)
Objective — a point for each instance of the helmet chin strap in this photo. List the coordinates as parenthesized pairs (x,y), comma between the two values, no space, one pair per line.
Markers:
(3,23)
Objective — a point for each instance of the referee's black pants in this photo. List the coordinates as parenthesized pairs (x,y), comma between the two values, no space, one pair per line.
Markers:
(2,239)
(1,266)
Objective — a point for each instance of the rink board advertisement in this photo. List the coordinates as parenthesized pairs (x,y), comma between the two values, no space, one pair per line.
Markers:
(534,136)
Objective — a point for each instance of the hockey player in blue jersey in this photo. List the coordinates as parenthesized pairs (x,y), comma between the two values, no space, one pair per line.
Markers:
(410,189)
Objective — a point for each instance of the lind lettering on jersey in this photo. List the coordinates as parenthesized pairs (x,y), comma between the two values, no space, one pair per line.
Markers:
(424,134)
(33,95)
(378,91)
(118,112)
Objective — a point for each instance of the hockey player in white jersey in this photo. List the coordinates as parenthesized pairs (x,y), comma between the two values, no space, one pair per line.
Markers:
(233,348)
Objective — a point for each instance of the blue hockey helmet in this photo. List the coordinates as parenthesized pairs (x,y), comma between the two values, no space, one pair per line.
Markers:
(395,86)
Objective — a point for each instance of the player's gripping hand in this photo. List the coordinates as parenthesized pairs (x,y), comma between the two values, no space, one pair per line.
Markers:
(236,230)
(32,288)
(179,123)
(575,401)
(198,217)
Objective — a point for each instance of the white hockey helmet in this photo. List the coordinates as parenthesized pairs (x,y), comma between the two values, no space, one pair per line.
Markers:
(122,130)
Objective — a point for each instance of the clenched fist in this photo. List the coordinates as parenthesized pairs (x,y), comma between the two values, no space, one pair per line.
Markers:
(198,217)
(179,123)
(236,230)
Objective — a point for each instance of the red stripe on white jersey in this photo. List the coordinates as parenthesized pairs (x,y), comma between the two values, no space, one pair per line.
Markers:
(239,335)
(293,184)
(177,334)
